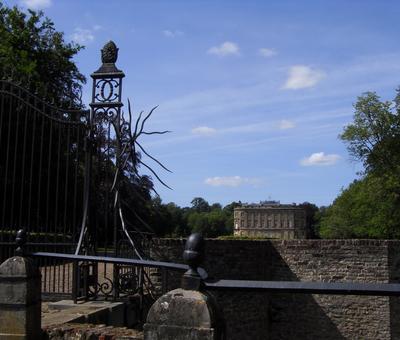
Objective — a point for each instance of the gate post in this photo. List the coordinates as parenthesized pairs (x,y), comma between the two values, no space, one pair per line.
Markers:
(186,313)
(20,296)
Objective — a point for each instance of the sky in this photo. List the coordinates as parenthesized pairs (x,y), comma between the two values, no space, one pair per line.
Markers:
(254,92)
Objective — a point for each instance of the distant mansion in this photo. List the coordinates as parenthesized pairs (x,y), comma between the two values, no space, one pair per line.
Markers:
(270,219)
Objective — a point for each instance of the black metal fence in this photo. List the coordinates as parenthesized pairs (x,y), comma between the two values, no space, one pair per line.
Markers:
(68,177)
(41,179)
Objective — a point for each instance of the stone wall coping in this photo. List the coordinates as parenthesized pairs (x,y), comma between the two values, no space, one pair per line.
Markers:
(19,268)
(368,242)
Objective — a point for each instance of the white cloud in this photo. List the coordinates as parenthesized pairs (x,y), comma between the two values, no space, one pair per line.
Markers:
(36,4)
(172,34)
(301,76)
(225,49)
(319,158)
(204,131)
(267,52)
(285,124)
(231,181)
(82,36)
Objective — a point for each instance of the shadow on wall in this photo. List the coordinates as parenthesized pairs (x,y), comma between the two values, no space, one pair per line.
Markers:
(245,314)
(296,316)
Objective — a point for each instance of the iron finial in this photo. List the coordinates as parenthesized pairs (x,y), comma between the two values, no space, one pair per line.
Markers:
(109,53)
(193,255)
(109,56)
(20,240)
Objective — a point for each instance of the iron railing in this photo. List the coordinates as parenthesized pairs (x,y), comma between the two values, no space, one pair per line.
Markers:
(194,279)
(42,151)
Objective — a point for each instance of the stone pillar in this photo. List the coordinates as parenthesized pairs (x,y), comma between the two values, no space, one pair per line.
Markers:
(183,315)
(186,313)
(20,299)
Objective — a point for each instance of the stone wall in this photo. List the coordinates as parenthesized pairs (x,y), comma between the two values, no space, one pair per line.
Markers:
(246,315)
(89,331)
(295,316)
(337,317)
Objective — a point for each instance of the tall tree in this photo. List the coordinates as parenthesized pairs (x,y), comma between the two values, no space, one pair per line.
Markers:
(200,204)
(30,46)
(311,211)
(370,206)
(34,53)
(374,135)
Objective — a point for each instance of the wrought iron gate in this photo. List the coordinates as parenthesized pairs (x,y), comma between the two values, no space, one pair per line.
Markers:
(42,150)
(68,177)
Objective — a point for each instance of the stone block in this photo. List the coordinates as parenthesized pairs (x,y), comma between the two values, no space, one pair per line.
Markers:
(184,315)
(20,299)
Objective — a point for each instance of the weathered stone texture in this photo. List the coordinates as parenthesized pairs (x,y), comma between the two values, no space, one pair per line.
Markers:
(184,315)
(72,331)
(20,303)
(323,316)
(246,314)
(291,316)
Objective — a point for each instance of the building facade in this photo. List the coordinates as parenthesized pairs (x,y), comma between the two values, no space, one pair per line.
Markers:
(270,219)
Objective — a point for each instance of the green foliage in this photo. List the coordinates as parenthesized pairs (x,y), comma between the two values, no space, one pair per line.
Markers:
(370,206)
(209,220)
(31,47)
(210,224)
(200,204)
(312,218)
(374,135)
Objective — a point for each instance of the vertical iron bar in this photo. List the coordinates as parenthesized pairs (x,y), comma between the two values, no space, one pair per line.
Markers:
(66,182)
(46,262)
(57,220)
(107,173)
(2,178)
(116,281)
(49,159)
(21,194)
(6,172)
(75,281)
(75,222)
(13,199)
(141,292)
(39,190)
(30,194)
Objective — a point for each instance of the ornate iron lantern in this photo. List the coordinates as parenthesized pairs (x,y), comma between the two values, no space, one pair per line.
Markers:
(107,84)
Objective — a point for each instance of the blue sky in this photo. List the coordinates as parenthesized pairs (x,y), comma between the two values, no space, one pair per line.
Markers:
(255,92)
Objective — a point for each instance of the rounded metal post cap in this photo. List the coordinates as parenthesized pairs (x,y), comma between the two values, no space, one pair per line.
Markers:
(194,250)
(20,240)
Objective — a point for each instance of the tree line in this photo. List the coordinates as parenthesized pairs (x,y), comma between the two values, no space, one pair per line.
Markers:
(211,220)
